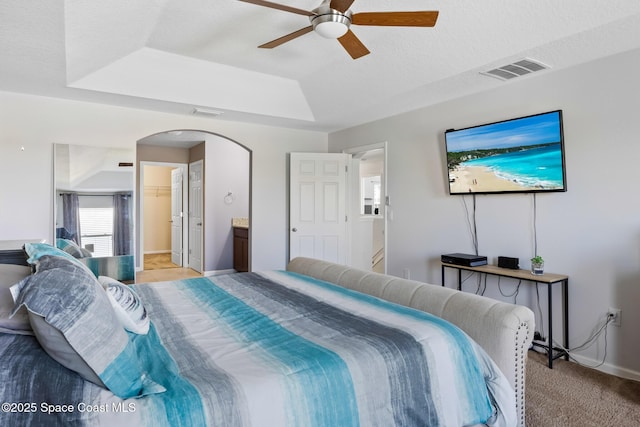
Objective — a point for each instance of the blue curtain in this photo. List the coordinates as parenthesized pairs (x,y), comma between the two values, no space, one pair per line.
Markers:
(71,216)
(122,224)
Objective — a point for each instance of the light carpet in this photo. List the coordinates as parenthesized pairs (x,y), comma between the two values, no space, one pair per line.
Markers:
(572,395)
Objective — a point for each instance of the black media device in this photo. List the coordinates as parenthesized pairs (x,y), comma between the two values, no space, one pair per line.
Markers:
(508,262)
(466,260)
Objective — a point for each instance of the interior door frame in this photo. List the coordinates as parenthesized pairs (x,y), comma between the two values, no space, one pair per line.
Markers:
(177,172)
(199,162)
(185,201)
(354,151)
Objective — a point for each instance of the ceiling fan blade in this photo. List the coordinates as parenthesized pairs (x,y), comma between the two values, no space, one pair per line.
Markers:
(279,7)
(353,45)
(288,37)
(396,19)
(341,5)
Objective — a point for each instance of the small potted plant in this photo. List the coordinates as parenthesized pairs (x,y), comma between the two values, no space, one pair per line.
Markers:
(537,265)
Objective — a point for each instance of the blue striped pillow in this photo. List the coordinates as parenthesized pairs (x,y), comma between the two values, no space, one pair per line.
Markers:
(73,303)
(38,250)
(63,243)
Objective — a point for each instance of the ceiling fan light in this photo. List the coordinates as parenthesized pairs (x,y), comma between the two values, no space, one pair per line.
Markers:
(331,30)
(331,25)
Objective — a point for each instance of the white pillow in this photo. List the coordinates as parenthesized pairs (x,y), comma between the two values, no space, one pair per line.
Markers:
(18,323)
(127,305)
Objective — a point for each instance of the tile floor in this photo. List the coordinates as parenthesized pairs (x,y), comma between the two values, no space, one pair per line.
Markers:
(157,269)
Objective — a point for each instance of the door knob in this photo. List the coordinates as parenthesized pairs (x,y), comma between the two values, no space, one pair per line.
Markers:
(294,229)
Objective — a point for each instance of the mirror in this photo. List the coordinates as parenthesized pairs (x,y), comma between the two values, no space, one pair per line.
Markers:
(94,207)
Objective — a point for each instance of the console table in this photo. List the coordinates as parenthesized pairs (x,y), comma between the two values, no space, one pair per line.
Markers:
(549,279)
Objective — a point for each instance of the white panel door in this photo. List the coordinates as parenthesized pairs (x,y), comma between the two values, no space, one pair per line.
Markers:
(196,210)
(176,216)
(317,210)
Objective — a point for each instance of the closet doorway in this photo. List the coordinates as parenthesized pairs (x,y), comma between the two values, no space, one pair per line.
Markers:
(163,200)
(223,199)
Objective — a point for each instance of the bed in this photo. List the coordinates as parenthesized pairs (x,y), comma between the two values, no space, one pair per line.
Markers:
(298,347)
(120,267)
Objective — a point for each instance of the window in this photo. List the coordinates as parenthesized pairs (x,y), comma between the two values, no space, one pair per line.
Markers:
(96,224)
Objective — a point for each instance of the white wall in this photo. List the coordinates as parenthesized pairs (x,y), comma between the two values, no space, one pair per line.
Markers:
(226,170)
(34,123)
(591,232)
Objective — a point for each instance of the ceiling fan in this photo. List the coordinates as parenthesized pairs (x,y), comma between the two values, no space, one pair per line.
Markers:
(332,20)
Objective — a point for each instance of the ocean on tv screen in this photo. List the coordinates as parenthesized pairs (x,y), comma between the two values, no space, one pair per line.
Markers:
(535,168)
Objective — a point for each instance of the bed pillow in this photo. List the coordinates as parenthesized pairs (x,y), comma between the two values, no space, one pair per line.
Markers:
(18,323)
(85,253)
(74,306)
(63,243)
(38,250)
(77,252)
(70,247)
(127,305)
(56,345)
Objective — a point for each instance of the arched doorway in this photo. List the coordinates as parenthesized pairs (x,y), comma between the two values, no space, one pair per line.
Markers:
(208,212)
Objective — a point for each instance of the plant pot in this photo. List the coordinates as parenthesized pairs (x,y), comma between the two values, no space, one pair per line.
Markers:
(537,268)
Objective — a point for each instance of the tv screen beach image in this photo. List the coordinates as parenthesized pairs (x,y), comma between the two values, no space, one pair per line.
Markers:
(512,156)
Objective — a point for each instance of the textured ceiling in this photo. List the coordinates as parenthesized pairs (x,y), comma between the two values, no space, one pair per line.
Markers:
(174,55)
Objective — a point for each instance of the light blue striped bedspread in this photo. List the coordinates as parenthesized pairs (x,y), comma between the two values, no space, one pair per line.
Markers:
(281,349)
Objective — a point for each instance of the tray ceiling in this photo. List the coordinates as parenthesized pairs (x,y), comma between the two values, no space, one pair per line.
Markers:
(174,55)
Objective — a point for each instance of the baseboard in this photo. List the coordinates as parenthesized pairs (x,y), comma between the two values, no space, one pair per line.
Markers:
(166,251)
(218,272)
(609,368)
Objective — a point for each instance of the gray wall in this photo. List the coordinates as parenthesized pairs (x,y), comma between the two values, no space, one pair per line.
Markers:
(34,123)
(226,169)
(591,232)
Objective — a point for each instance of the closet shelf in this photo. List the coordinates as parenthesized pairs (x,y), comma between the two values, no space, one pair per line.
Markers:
(157,190)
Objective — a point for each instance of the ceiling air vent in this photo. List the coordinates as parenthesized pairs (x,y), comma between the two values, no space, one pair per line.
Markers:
(516,69)
(197,111)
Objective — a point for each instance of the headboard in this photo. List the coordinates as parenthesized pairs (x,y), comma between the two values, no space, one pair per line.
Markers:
(13,256)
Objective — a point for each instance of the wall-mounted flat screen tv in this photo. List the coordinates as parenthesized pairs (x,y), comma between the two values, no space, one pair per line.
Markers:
(521,155)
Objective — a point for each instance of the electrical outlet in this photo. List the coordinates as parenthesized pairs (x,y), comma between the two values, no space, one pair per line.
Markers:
(406,273)
(616,313)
